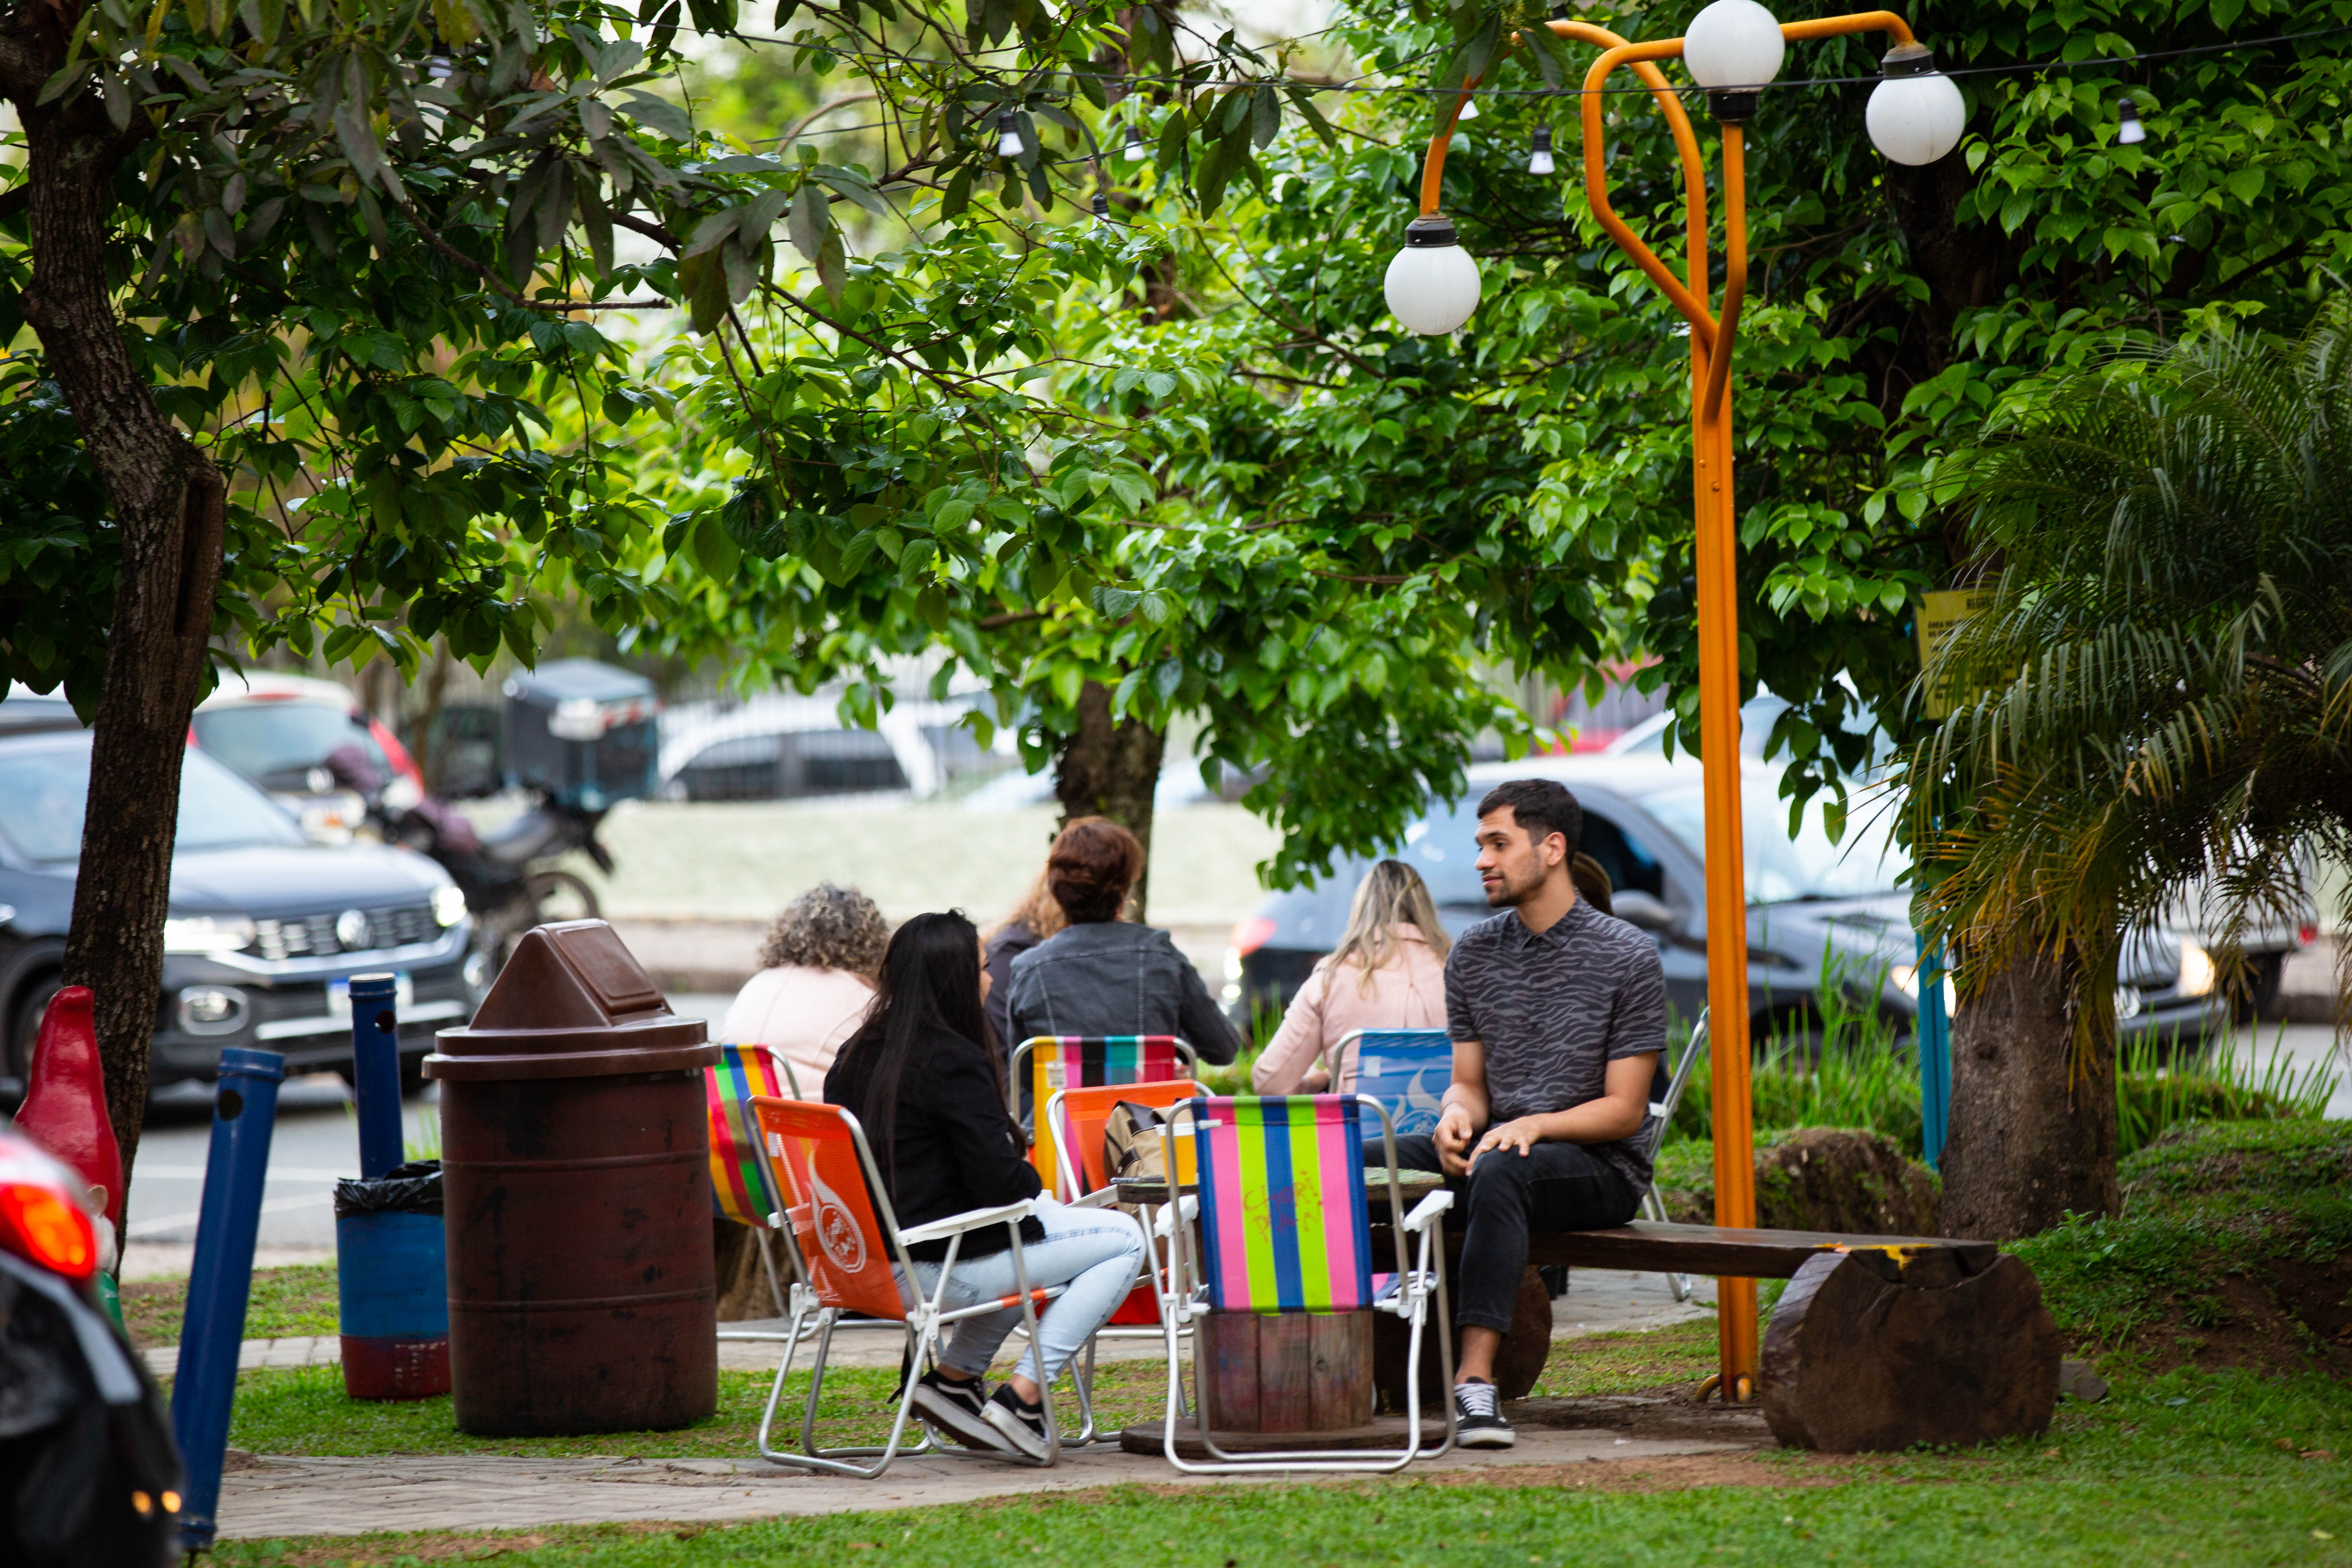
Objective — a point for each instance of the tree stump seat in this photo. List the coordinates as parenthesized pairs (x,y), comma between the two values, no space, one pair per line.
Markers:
(1878,1343)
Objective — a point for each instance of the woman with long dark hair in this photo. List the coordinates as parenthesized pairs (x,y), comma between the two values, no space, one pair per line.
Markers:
(923,1076)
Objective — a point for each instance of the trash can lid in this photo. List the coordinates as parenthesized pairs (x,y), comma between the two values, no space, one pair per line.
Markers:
(571,1001)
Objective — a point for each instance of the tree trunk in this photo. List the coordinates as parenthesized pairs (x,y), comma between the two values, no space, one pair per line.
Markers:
(2026,1145)
(168,501)
(1110,770)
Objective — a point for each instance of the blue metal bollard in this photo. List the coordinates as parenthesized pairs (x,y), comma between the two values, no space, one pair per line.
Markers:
(244,1110)
(375,1071)
(1933,1035)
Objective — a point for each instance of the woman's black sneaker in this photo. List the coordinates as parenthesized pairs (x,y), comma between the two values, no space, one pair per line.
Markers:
(1021,1426)
(1478,1417)
(957,1409)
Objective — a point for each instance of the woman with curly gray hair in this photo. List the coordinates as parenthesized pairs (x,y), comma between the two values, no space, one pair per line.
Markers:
(815,980)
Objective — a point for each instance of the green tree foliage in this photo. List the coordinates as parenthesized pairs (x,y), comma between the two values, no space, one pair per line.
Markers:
(1889,311)
(2165,668)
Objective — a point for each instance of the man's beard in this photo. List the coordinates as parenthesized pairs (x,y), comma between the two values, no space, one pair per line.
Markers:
(1503,895)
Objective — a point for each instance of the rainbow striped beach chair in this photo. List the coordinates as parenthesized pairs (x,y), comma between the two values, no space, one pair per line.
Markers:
(1285,1226)
(739,1186)
(1044,1065)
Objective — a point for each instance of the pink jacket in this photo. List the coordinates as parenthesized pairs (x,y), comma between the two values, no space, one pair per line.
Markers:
(1406,993)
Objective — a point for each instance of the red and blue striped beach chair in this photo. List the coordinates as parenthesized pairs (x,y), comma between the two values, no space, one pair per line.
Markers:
(1285,1226)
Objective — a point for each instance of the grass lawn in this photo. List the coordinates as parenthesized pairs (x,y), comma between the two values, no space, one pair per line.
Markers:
(286,1303)
(2193,1466)
(2219,1303)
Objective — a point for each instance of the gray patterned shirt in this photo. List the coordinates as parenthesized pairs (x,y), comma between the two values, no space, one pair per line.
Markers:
(1553,1008)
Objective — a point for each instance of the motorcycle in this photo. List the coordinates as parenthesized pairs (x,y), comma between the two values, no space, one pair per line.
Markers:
(89,1472)
(506,891)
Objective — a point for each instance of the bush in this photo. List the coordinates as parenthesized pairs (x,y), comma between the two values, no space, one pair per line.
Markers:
(1851,1069)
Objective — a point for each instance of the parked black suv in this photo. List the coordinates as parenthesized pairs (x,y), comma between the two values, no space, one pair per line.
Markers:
(266,930)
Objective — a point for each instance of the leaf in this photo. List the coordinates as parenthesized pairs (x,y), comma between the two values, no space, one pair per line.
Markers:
(712,232)
(713,548)
(831,264)
(812,220)
(759,214)
(357,137)
(1469,60)
(1304,103)
(959,196)
(118,100)
(703,280)
(597,223)
(1265,116)
(658,115)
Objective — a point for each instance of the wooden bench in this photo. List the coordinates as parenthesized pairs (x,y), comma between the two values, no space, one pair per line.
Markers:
(1878,1342)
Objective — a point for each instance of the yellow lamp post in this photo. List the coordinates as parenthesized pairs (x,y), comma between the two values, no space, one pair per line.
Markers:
(1734,47)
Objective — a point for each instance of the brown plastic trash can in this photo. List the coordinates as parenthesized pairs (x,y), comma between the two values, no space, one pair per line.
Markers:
(575,1169)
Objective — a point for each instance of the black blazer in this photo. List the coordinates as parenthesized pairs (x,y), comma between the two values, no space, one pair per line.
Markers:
(951,1146)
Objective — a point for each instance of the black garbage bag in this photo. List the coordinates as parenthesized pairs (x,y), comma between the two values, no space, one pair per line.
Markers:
(412,1188)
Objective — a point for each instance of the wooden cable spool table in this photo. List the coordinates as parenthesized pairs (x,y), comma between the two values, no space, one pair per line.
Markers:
(1267,1377)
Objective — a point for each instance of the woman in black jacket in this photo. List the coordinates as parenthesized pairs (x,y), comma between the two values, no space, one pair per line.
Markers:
(925,1080)
(1101,975)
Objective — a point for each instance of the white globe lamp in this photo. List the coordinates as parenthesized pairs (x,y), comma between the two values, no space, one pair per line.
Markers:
(1732,45)
(1432,284)
(1915,113)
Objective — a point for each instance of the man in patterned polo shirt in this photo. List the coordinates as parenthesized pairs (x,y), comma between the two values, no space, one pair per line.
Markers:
(1559,1017)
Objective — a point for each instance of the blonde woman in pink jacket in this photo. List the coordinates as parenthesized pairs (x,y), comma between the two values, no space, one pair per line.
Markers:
(1388,973)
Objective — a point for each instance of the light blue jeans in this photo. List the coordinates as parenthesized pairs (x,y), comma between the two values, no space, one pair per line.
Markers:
(1096,1252)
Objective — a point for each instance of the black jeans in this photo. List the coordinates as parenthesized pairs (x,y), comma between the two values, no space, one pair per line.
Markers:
(1508,1197)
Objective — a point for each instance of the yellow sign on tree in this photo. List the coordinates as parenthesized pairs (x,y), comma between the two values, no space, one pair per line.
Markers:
(1940,616)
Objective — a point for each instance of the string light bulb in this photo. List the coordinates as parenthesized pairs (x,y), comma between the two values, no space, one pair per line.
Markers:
(1432,285)
(1102,208)
(1135,152)
(1915,113)
(1540,155)
(1008,135)
(1733,48)
(1469,110)
(2129,132)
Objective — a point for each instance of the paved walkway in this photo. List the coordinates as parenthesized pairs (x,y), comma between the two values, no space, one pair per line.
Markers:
(1596,1304)
(345,1496)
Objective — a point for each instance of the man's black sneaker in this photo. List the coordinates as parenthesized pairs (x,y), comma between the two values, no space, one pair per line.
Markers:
(1022,1427)
(960,1410)
(1478,1417)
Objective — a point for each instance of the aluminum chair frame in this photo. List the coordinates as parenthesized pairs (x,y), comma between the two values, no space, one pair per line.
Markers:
(1186,1301)
(925,1316)
(1652,1207)
(1068,1168)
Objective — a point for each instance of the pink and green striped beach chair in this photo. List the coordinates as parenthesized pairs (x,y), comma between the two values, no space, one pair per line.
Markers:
(1285,1226)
